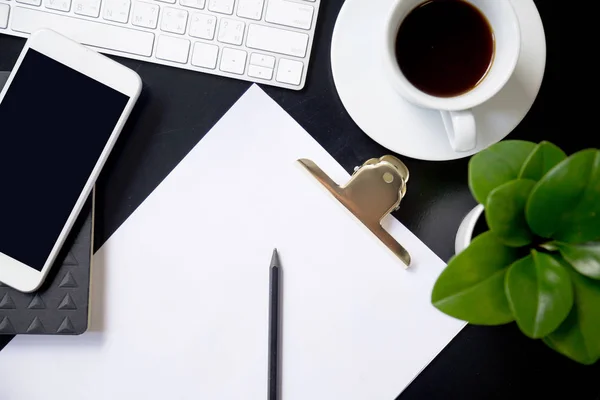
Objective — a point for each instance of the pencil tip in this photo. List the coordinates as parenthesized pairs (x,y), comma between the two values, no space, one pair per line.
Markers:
(275,259)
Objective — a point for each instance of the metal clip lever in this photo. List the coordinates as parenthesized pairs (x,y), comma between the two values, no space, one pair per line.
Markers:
(373,192)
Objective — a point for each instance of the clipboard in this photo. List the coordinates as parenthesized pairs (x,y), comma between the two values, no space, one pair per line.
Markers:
(180,294)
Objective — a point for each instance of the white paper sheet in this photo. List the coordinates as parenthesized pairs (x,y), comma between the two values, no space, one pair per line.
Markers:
(180,291)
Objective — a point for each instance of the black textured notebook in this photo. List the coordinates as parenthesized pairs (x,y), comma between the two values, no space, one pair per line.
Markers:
(60,306)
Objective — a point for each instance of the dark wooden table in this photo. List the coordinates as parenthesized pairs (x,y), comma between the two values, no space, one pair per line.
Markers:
(178,107)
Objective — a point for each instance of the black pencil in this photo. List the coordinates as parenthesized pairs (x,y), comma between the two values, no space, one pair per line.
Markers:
(274,310)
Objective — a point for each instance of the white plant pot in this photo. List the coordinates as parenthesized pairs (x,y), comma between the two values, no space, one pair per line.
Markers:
(465,230)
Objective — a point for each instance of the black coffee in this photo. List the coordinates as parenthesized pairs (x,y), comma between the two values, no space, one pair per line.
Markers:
(445,47)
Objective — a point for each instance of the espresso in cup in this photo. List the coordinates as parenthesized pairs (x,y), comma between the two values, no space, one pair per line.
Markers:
(445,47)
(451,56)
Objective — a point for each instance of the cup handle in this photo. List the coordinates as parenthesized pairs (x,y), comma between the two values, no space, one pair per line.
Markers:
(460,128)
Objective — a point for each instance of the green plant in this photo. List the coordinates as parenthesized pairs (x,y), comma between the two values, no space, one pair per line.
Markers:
(539,263)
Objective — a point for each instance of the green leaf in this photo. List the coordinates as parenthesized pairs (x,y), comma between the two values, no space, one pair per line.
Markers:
(539,293)
(471,287)
(564,204)
(568,340)
(579,336)
(496,165)
(505,212)
(541,160)
(585,258)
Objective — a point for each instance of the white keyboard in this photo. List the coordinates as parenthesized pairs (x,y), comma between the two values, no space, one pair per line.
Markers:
(263,41)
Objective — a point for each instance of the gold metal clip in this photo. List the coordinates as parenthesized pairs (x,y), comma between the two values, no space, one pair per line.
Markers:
(373,192)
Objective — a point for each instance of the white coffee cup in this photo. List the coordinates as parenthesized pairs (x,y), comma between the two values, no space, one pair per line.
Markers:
(456,113)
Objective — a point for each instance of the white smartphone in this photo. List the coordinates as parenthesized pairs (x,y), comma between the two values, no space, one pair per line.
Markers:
(61,112)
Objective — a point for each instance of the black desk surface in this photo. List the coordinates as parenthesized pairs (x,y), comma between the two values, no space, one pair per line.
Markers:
(178,107)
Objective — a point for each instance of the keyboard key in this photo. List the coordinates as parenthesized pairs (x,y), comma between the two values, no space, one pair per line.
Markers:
(203,26)
(31,2)
(256,71)
(145,14)
(205,55)
(290,14)
(289,71)
(199,4)
(251,9)
(172,49)
(231,31)
(221,6)
(262,60)
(233,61)
(117,10)
(89,8)
(277,40)
(59,5)
(167,1)
(174,20)
(88,32)
(4,11)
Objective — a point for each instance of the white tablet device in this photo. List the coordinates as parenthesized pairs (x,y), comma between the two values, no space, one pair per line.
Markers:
(61,112)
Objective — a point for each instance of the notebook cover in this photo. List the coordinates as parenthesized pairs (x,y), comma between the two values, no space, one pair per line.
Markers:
(60,306)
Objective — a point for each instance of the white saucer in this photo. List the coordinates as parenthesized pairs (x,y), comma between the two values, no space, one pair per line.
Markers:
(404,128)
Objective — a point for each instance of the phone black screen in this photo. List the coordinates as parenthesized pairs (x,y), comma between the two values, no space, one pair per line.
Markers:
(54,124)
